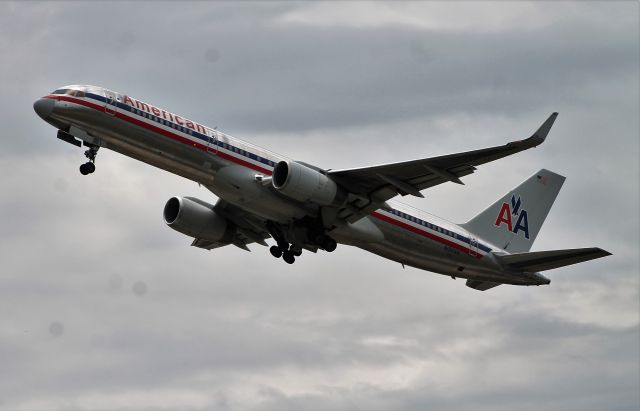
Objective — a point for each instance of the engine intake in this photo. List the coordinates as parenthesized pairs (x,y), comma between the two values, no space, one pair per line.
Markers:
(303,183)
(195,218)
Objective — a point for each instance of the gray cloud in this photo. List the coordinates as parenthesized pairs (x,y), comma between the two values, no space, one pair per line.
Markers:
(150,323)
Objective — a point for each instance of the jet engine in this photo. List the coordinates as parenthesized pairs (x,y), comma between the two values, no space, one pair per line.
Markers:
(303,183)
(194,218)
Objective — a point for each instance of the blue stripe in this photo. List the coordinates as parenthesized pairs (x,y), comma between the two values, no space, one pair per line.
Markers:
(270,163)
(437,228)
(219,144)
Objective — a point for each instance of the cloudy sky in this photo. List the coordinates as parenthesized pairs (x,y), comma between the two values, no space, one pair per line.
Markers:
(102,307)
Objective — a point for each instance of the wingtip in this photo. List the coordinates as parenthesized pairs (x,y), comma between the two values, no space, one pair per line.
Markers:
(604,253)
(541,133)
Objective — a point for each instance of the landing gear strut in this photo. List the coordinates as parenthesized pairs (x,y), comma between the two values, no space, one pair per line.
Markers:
(90,166)
(282,249)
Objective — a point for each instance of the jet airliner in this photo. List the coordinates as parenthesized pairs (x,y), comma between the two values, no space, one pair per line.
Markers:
(263,195)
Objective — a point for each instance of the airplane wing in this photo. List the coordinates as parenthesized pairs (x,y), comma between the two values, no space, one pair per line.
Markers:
(380,183)
(248,228)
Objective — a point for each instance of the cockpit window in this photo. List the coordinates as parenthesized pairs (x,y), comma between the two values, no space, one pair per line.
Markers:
(70,92)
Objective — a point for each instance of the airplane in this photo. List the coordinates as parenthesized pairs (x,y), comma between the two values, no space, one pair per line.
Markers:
(263,195)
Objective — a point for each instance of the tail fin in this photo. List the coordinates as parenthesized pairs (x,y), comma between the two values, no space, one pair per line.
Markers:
(513,222)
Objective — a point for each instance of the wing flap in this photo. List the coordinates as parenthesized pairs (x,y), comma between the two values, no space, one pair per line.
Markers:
(481,285)
(208,244)
(547,260)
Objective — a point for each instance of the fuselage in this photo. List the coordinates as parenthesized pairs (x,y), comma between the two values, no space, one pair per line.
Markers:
(233,170)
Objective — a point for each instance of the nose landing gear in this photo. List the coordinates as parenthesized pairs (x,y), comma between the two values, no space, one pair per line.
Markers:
(90,166)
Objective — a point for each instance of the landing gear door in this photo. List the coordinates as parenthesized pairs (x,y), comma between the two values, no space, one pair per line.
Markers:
(212,143)
(111,104)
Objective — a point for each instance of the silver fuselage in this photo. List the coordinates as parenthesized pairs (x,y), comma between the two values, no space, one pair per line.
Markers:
(232,169)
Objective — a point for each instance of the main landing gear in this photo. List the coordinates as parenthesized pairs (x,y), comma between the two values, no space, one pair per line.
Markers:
(289,252)
(286,251)
(90,166)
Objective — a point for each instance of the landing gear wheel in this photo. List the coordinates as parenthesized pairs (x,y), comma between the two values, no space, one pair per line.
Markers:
(326,243)
(330,245)
(87,168)
(288,257)
(275,251)
(297,253)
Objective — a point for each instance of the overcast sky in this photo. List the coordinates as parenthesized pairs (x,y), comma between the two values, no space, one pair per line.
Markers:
(102,307)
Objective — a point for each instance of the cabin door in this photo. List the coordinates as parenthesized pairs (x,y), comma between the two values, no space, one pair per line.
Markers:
(473,246)
(212,143)
(111,104)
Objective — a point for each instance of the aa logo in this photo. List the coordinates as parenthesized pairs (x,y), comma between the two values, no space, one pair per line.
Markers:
(513,212)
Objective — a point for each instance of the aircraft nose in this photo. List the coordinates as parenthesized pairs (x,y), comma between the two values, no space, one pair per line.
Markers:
(43,107)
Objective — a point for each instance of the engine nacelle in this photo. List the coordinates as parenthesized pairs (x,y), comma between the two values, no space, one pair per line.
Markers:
(194,218)
(303,183)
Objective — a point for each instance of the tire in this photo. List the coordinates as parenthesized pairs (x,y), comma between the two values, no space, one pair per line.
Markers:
(83,169)
(288,257)
(275,251)
(90,167)
(330,245)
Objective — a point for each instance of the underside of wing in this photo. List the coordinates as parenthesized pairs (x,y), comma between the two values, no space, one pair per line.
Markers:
(247,228)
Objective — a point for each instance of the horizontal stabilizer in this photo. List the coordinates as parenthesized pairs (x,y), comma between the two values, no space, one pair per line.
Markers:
(481,285)
(547,260)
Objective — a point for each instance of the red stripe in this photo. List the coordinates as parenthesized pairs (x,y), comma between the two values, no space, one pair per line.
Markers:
(163,132)
(423,233)
(247,164)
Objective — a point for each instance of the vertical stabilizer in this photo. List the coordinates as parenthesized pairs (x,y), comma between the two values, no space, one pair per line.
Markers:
(513,222)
